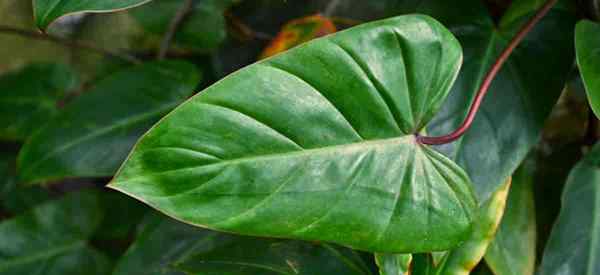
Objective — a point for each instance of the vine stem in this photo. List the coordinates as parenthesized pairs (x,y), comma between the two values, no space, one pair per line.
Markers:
(177,20)
(487,81)
(67,42)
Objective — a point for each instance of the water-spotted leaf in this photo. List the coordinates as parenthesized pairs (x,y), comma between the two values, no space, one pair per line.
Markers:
(204,28)
(29,97)
(574,244)
(165,246)
(393,264)
(51,239)
(46,11)
(587,42)
(512,252)
(317,143)
(512,115)
(93,134)
(299,31)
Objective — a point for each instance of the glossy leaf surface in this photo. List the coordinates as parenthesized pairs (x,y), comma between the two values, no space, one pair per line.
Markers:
(293,145)
(46,11)
(511,117)
(165,245)
(393,264)
(512,252)
(204,28)
(587,42)
(29,97)
(86,140)
(51,239)
(574,244)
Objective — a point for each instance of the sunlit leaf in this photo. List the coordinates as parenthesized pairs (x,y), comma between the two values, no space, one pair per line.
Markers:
(587,42)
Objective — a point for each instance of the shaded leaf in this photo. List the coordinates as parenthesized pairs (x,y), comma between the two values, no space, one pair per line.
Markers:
(29,97)
(122,215)
(51,239)
(574,244)
(512,252)
(87,140)
(46,11)
(299,31)
(393,264)
(165,245)
(587,42)
(204,28)
(288,147)
(15,198)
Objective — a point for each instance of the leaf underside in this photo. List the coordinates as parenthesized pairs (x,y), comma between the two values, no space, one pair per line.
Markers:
(317,144)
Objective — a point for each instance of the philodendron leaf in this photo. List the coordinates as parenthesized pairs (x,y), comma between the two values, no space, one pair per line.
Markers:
(165,246)
(512,252)
(317,143)
(587,43)
(93,134)
(574,244)
(46,11)
(29,97)
(393,264)
(51,239)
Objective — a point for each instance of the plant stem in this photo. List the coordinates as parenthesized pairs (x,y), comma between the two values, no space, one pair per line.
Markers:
(67,42)
(483,89)
(177,20)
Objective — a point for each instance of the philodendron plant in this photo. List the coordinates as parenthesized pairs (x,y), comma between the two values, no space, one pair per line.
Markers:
(369,150)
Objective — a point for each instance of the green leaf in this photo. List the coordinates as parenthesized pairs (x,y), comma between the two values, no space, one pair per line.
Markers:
(165,245)
(587,43)
(92,135)
(51,239)
(29,97)
(15,198)
(122,215)
(204,29)
(46,11)
(512,115)
(512,252)
(317,144)
(574,244)
(393,264)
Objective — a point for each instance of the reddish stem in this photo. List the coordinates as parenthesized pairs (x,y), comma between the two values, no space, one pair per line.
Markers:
(487,81)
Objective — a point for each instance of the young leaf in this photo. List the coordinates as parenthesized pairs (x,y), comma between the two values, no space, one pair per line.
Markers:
(393,264)
(46,11)
(204,28)
(574,244)
(92,135)
(512,252)
(587,43)
(51,239)
(513,113)
(165,245)
(317,143)
(29,97)
(299,31)
(462,260)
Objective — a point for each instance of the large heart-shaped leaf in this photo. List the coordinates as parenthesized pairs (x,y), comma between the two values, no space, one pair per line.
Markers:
(164,246)
(92,135)
(512,115)
(574,244)
(512,252)
(51,239)
(587,42)
(46,11)
(29,97)
(318,144)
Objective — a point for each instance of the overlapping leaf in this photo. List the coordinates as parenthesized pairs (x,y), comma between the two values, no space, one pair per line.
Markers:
(393,264)
(51,239)
(29,97)
(574,244)
(165,246)
(93,134)
(46,11)
(318,144)
(587,41)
